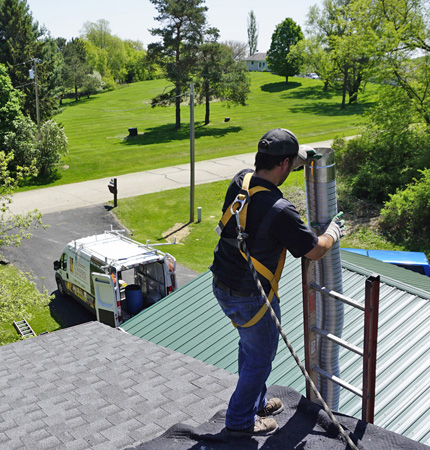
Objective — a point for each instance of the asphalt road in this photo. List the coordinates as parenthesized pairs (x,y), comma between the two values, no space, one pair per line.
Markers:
(37,255)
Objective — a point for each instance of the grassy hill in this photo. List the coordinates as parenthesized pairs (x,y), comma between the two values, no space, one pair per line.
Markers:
(97,128)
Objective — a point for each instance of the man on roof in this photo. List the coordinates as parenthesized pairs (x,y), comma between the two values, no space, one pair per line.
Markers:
(271,226)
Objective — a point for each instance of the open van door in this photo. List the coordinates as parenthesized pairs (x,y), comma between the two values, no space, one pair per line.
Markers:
(105,299)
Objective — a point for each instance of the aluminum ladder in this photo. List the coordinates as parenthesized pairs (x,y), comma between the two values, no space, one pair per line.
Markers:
(24,328)
(368,353)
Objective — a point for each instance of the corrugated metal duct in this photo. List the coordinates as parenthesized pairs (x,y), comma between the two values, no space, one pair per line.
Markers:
(320,181)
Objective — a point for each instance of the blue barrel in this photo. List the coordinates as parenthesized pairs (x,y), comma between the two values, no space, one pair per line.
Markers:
(133,298)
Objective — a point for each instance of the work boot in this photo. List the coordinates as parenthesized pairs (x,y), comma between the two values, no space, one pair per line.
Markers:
(274,406)
(263,426)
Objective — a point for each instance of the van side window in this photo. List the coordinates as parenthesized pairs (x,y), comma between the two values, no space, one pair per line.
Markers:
(64,261)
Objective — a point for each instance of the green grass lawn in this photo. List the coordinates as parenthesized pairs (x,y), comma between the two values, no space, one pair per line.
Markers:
(97,128)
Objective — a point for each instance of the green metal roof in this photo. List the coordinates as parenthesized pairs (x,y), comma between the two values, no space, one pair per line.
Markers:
(191,322)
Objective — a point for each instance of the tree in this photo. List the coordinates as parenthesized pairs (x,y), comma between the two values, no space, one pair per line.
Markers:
(18,38)
(401,32)
(219,76)
(138,65)
(238,48)
(10,109)
(75,68)
(252,33)
(183,24)
(98,33)
(19,45)
(313,58)
(49,70)
(286,34)
(351,56)
(106,53)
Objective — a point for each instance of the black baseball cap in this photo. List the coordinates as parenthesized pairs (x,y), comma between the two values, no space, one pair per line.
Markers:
(279,141)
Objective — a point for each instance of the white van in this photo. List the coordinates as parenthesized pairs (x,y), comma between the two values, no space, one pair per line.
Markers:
(114,276)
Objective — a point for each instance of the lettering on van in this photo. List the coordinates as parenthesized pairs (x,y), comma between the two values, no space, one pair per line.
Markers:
(78,269)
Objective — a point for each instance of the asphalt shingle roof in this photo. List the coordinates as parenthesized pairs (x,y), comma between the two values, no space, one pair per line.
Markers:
(92,386)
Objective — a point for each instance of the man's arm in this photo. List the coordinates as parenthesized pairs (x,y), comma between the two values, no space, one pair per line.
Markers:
(324,244)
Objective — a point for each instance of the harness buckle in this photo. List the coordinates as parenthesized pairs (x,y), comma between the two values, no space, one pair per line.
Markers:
(242,199)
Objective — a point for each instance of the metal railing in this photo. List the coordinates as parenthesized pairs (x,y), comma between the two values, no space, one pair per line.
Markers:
(311,333)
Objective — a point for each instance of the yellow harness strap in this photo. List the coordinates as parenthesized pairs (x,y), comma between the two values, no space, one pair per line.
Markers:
(260,268)
(242,215)
(274,280)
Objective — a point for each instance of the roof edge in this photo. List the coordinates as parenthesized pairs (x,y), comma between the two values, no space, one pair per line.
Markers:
(384,277)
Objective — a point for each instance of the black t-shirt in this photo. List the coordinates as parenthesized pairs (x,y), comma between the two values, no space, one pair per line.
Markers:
(272,223)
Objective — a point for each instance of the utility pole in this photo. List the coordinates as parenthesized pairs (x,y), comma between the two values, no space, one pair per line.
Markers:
(192,161)
(33,74)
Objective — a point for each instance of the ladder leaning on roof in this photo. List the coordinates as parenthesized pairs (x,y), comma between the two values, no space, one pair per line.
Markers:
(24,328)
(368,353)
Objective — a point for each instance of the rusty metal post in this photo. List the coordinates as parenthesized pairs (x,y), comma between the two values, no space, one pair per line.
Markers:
(309,321)
(370,344)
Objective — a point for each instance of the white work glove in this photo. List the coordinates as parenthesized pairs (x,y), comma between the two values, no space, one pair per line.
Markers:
(336,228)
(306,154)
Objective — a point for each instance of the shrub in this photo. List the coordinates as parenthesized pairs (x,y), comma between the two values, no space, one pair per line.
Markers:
(406,216)
(22,142)
(52,145)
(20,296)
(29,149)
(377,163)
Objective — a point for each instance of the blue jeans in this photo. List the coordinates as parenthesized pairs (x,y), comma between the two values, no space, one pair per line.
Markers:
(257,350)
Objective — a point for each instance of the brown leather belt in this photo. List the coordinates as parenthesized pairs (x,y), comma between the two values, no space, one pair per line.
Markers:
(219,284)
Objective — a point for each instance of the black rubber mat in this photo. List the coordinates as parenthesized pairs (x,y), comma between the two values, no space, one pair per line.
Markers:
(303,425)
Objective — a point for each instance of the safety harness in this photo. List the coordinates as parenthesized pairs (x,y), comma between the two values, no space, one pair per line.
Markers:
(239,209)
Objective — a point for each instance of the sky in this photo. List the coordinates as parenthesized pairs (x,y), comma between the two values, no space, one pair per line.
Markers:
(131,19)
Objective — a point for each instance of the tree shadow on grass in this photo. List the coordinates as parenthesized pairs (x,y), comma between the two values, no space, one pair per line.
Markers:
(280,86)
(312,93)
(70,102)
(168,133)
(42,180)
(331,109)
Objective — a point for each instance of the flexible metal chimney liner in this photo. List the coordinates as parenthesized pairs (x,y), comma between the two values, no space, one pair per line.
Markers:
(321,199)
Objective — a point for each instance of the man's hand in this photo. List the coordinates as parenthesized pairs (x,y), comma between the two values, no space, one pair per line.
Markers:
(336,228)
(306,155)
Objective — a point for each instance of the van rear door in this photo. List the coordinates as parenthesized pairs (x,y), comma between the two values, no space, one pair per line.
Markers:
(105,299)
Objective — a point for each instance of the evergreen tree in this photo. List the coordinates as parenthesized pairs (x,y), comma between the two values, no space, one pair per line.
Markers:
(49,70)
(252,33)
(286,34)
(21,43)
(18,45)
(182,29)
(75,68)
